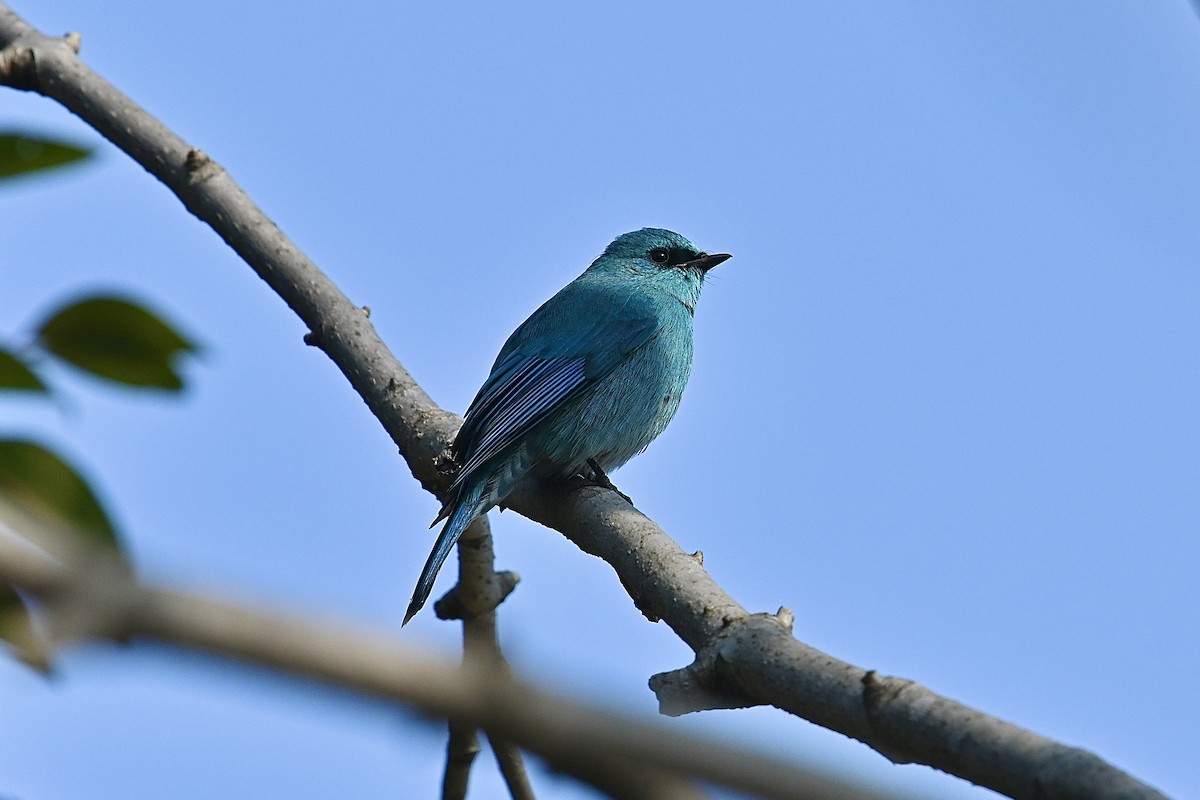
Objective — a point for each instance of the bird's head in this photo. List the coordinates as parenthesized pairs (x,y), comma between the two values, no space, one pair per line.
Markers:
(659,257)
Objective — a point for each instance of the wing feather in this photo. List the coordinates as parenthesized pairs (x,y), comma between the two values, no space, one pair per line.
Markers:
(543,385)
(550,359)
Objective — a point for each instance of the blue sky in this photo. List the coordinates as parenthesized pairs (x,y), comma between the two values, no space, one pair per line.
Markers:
(944,400)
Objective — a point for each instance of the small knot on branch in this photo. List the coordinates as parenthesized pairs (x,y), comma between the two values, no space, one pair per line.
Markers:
(195,160)
(462,604)
(315,338)
(785,618)
(708,682)
(700,686)
(18,67)
(199,166)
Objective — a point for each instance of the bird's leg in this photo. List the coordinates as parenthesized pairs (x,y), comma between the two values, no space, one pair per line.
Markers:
(600,479)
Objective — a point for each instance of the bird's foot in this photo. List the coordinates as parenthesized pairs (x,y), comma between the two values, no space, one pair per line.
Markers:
(599,478)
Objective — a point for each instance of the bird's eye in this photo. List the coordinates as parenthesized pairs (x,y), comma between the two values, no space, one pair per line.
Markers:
(660,255)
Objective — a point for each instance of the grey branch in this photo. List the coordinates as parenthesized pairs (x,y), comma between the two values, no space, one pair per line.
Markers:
(461,749)
(480,589)
(741,659)
(88,595)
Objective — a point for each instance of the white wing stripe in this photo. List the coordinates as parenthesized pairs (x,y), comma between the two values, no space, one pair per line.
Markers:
(536,397)
(501,392)
(520,402)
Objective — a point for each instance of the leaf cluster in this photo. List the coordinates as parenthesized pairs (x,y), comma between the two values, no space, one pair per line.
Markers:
(107,336)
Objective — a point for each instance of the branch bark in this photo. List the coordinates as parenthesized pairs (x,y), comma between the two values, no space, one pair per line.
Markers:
(474,599)
(742,659)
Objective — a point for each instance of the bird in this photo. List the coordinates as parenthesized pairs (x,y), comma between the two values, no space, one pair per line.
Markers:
(581,386)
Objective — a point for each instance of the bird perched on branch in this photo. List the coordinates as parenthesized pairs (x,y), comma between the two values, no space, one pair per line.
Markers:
(583,385)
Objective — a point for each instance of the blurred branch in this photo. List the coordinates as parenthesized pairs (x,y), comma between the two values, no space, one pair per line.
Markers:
(91,594)
(742,659)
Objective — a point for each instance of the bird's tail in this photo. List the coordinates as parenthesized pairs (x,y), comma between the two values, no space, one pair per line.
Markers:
(471,503)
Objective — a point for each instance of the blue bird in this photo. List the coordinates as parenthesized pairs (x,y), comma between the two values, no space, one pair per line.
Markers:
(588,381)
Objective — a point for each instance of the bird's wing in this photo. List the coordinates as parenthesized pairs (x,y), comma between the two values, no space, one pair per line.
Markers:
(526,387)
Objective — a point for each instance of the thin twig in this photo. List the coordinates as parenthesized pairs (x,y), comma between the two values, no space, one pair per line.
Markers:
(474,599)
(512,767)
(461,749)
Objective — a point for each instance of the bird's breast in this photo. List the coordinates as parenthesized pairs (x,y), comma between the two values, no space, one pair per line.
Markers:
(624,411)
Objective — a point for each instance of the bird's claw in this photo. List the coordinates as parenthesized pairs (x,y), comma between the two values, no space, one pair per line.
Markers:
(599,478)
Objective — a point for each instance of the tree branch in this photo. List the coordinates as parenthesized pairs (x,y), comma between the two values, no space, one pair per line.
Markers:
(93,595)
(461,749)
(750,659)
(474,599)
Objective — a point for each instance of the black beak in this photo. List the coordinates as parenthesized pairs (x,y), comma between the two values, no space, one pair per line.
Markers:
(705,261)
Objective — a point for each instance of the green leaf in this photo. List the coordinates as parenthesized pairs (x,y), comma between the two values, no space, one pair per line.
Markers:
(16,374)
(9,599)
(17,628)
(117,339)
(21,154)
(48,489)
